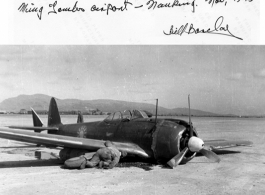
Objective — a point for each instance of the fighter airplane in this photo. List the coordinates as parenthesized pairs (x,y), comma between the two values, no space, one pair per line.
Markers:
(164,140)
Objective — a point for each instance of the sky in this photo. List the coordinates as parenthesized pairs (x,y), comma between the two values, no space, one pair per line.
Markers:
(220,79)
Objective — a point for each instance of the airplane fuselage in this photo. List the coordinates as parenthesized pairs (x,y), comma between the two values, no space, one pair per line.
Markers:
(161,140)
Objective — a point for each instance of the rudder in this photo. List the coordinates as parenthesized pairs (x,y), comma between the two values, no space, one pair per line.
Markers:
(53,115)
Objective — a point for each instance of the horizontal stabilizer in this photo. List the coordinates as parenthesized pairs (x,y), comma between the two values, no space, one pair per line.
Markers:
(67,141)
(34,128)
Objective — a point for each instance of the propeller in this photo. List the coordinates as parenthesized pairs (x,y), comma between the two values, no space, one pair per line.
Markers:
(209,154)
(178,158)
(194,144)
(190,124)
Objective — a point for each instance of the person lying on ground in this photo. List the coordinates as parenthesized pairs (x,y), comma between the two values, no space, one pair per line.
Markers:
(106,158)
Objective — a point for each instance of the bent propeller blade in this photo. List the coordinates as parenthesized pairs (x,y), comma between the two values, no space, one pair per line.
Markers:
(209,154)
(178,158)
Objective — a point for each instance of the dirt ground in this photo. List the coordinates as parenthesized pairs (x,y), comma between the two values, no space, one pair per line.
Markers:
(241,171)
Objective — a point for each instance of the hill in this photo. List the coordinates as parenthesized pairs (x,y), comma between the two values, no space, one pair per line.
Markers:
(41,102)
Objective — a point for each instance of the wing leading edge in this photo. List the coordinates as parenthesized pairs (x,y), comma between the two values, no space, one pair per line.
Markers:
(67,141)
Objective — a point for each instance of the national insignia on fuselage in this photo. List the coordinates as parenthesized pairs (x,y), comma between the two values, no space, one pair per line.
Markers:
(82,131)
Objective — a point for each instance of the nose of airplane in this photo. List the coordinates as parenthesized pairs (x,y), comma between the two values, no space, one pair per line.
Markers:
(195,144)
(166,140)
(192,144)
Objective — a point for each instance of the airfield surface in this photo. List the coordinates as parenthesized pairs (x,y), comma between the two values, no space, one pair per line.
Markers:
(241,171)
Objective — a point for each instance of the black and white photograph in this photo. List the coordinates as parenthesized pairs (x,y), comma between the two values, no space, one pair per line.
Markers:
(132,97)
(132,119)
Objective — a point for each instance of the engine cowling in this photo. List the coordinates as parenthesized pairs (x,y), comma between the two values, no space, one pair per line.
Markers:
(169,139)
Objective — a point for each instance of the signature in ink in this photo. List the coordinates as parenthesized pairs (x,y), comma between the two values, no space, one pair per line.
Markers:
(219,29)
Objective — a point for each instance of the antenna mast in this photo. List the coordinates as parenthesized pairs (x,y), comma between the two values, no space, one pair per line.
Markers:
(189,109)
(156,110)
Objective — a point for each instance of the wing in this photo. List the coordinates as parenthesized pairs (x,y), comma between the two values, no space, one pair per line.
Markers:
(219,144)
(67,141)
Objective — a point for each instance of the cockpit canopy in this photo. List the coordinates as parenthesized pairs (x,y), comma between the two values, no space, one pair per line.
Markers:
(126,115)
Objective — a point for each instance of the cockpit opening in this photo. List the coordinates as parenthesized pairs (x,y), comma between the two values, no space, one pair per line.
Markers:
(126,115)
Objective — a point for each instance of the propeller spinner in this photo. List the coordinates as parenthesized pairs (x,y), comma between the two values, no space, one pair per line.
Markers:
(194,144)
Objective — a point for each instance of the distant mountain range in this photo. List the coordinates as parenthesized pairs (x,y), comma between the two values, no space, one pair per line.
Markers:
(41,102)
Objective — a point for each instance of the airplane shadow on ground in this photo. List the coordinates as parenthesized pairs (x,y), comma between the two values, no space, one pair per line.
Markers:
(124,163)
(218,152)
(146,165)
(42,158)
(143,165)
(30,163)
(221,152)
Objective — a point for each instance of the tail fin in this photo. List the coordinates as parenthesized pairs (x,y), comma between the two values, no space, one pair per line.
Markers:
(80,118)
(53,115)
(36,120)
